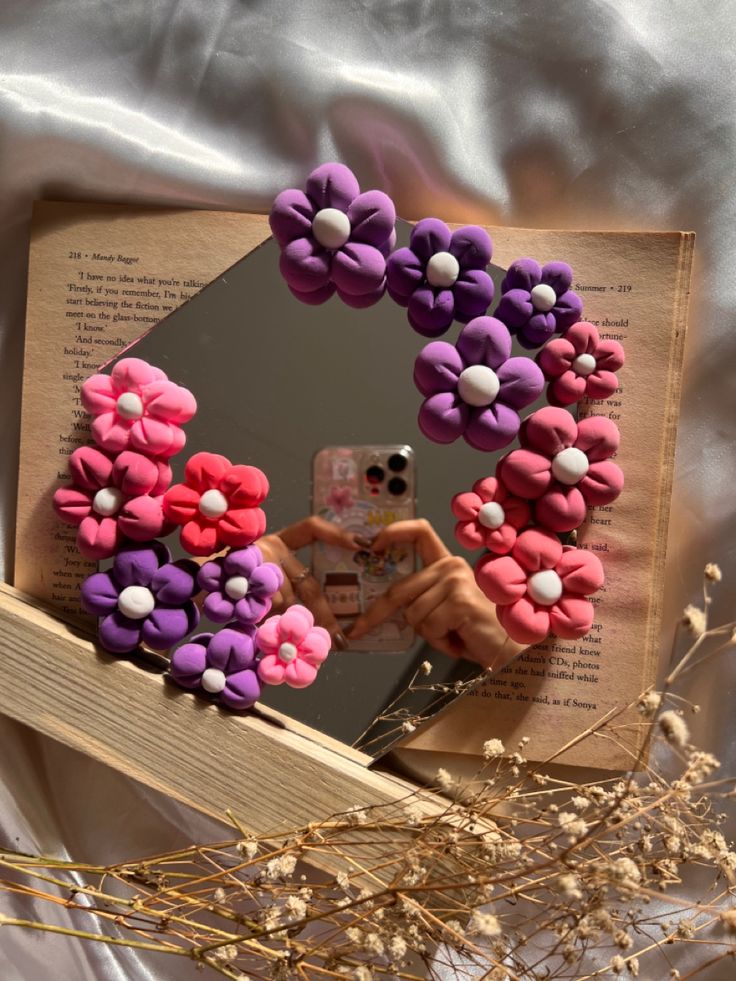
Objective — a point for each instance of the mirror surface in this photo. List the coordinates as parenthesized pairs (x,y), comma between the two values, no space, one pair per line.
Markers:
(279,382)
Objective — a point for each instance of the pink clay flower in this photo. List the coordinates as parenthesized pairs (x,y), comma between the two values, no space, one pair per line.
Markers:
(580,365)
(489,517)
(111,499)
(136,407)
(541,587)
(564,466)
(293,648)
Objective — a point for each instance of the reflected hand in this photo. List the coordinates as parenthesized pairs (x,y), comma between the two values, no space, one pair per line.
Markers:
(299,585)
(441,602)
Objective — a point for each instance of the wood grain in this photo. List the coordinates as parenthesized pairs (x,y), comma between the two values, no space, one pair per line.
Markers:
(54,679)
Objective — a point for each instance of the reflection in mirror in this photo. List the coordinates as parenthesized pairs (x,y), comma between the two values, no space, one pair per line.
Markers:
(321,399)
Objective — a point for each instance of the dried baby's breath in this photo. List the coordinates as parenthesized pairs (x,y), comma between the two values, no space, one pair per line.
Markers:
(493,748)
(674,728)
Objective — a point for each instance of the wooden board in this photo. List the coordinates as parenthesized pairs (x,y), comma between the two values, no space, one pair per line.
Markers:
(271,777)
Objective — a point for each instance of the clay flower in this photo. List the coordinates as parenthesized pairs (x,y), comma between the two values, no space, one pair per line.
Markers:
(489,517)
(239,586)
(541,587)
(111,499)
(580,365)
(217,504)
(474,389)
(293,648)
(441,276)
(564,466)
(333,238)
(144,597)
(537,301)
(136,407)
(222,664)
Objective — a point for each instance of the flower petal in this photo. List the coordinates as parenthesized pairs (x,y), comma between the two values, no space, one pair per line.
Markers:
(598,437)
(118,634)
(98,395)
(514,309)
(244,486)
(602,484)
(188,662)
(558,275)
(583,337)
(72,506)
(199,536)
(315,297)
(295,624)
(538,329)
(90,468)
(232,650)
(135,474)
(291,216)
(111,433)
(429,236)
(431,310)
(601,384)
(142,518)
(204,471)
(358,269)
(569,388)
(581,571)
(502,579)
(218,607)
(175,582)
(271,670)
(525,473)
(242,690)
(315,647)
(443,417)
(173,403)
(491,428)
(609,355)
(466,506)
(549,431)
(472,247)
(299,673)
(154,437)
(99,538)
(241,526)
(557,356)
(470,534)
(571,618)
(372,218)
(473,292)
(362,300)
(167,625)
(437,368)
(404,274)
(268,635)
(536,550)
(305,265)
(521,381)
(136,565)
(332,185)
(523,274)
(561,508)
(567,310)
(131,374)
(242,562)
(181,503)
(485,341)
(267,579)
(99,594)
(524,621)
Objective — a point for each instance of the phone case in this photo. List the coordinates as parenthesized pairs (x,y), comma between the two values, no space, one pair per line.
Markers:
(348,489)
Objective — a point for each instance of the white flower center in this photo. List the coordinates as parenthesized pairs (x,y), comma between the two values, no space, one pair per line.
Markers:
(584,364)
(136,602)
(491,515)
(570,465)
(331,228)
(213,504)
(545,587)
(129,405)
(543,298)
(107,501)
(478,385)
(442,269)
(236,587)
(213,680)
(287,652)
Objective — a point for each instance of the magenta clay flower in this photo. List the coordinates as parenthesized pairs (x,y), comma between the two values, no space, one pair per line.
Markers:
(239,586)
(541,587)
(537,301)
(580,365)
(489,517)
(136,407)
(111,499)
(293,648)
(334,239)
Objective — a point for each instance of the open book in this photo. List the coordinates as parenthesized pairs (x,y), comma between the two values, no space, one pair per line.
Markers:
(102,275)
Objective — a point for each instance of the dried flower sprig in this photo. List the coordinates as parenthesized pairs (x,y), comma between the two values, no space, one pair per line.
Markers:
(520,875)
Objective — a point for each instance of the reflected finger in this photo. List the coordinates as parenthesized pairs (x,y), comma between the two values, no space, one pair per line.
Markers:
(307,590)
(419,532)
(400,594)
(316,529)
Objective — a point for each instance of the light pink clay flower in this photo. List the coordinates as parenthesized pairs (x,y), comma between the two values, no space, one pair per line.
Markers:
(293,648)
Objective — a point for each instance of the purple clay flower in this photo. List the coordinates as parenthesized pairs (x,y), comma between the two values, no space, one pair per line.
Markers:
(222,664)
(441,276)
(145,597)
(474,389)
(537,301)
(333,238)
(239,585)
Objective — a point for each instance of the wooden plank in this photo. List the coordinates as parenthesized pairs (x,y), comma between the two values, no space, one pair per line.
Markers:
(54,679)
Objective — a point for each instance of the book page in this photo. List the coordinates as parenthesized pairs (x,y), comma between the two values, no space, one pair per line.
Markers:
(99,277)
(635,288)
(102,275)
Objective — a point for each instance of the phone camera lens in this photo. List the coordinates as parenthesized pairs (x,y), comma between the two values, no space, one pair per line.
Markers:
(397,486)
(397,462)
(374,475)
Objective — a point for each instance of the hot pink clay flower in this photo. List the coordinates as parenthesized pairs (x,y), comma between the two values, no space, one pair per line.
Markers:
(580,365)
(293,648)
(111,499)
(136,407)
(541,587)
(564,466)
(489,517)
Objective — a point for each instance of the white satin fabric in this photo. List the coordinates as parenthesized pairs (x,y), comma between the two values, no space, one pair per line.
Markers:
(593,115)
